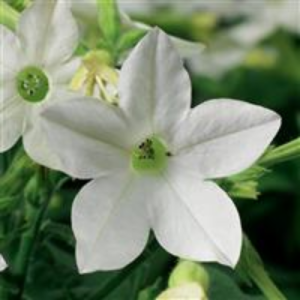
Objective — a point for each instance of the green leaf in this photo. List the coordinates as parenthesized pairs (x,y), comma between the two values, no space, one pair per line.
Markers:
(223,286)
(7,204)
(151,292)
(251,269)
(8,16)
(130,39)
(18,5)
(109,20)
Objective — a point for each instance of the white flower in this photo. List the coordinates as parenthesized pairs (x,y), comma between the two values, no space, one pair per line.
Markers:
(3,264)
(232,46)
(152,160)
(36,67)
(88,12)
(271,16)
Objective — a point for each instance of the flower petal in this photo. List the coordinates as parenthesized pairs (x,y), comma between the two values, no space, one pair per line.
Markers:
(36,145)
(194,219)
(48,31)
(63,74)
(252,32)
(11,54)
(225,136)
(12,110)
(154,87)
(3,264)
(110,224)
(35,141)
(89,137)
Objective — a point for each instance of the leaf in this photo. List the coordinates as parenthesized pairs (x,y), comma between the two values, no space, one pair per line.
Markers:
(109,20)
(8,16)
(151,292)
(223,286)
(130,39)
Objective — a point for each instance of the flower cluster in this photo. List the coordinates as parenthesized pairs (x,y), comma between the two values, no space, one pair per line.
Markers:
(152,159)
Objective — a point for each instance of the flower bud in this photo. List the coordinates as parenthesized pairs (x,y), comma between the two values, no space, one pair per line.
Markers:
(187,291)
(189,272)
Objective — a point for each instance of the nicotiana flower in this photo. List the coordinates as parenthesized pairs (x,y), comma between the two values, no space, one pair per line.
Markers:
(36,66)
(153,160)
(271,16)
(3,264)
(88,12)
(233,46)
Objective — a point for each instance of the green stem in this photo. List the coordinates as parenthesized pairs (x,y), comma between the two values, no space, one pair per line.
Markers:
(8,16)
(286,152)
(251,266)
(29,238)
(265,284)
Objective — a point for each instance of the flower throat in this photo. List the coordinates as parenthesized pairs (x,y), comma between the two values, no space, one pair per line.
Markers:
(32,84)
(149,156)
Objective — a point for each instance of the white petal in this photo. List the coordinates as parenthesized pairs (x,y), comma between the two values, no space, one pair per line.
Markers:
(48,31)
(89,137)
(36,145)
(194,219)
(224,137)
(12,111)
(3,264)
(63,74)
(110,224)
(251,33)
(35,140)
(216,61)
(10,54)
(154,88)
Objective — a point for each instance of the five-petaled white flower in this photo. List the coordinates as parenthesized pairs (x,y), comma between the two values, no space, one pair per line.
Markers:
(152,161)
(36,66)
(3,264)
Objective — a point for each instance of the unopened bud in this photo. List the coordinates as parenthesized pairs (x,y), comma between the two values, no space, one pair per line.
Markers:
(189,272)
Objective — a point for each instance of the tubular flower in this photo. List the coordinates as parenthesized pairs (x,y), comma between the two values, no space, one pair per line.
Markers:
(153,160)
(36,67)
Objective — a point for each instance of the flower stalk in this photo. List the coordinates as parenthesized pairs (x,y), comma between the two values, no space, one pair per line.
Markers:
(36,211)
(283,153)
(251,266)
(35,217)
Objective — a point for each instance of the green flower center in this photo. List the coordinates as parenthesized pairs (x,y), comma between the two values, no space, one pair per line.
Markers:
(150,156)
(32,84)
